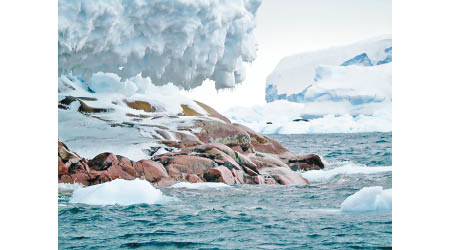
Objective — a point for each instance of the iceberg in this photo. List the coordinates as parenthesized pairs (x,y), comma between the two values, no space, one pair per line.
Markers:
(119,192)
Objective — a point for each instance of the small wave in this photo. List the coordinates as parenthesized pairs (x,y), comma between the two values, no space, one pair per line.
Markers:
(119,192)
(200,185)
(349,169)
(69,186)
(368,199)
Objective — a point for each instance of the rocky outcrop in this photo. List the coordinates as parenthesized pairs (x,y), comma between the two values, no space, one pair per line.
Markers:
(209,162)
(200,145)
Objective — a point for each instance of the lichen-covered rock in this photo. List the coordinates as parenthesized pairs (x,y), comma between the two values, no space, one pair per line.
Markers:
(213,131)
(261,143)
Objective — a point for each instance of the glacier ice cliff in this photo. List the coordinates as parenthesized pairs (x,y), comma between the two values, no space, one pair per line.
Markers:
(182,42)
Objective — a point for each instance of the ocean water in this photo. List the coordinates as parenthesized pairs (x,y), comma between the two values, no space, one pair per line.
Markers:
(250,216)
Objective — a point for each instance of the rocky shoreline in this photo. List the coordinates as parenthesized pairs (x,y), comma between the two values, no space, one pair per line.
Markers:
(247,158)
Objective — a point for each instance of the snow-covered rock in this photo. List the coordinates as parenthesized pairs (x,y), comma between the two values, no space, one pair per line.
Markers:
(126,118)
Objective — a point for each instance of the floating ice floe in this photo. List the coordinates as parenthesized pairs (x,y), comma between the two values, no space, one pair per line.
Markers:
(119,192)
(368,199)
(200,185)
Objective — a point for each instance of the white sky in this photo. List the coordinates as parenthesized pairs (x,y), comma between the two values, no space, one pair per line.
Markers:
(286,27)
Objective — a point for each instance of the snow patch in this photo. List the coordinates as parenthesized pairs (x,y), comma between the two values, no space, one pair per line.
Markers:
(368,199)
(119,192)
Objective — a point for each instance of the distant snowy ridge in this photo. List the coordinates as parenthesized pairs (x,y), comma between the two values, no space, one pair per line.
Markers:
(294,73)
(182,41)
(338,90)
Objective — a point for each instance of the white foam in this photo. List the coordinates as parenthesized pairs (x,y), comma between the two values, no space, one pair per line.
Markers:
(119,192)
(200,185)
(348,169)
(69,186)
(368,199)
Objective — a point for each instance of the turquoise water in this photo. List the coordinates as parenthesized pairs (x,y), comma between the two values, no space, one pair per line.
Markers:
(249,217)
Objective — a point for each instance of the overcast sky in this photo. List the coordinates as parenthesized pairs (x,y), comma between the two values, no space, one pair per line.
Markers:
(286,27)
